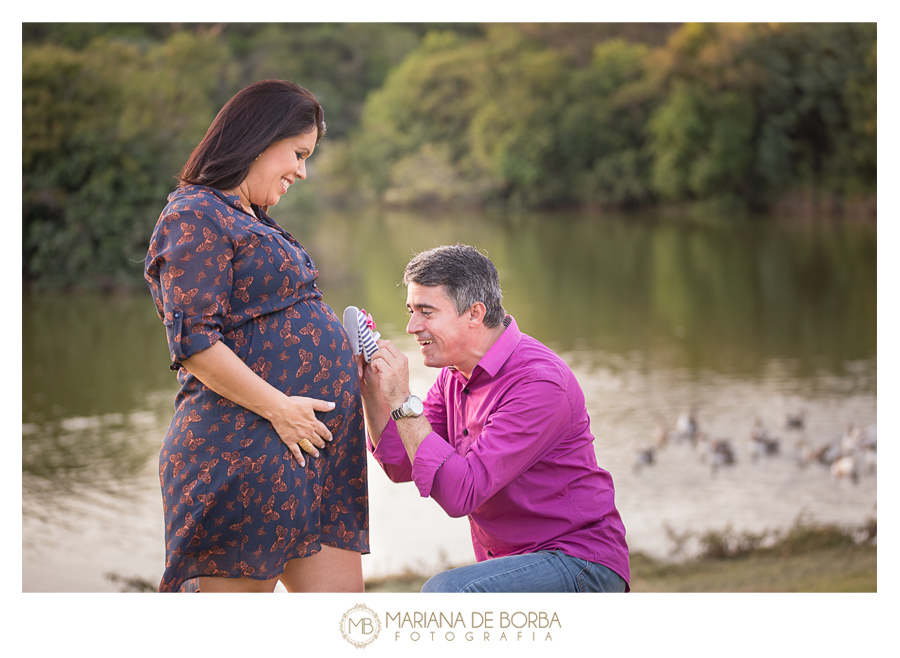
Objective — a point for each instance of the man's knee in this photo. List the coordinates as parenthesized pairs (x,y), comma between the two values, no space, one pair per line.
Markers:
(440,583)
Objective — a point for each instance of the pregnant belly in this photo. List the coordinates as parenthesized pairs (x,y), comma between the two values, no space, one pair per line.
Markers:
(302,350)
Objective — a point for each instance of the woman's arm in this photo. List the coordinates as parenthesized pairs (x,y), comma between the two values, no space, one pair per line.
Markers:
(292,417)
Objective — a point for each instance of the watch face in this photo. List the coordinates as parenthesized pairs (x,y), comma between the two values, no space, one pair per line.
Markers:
(415,405)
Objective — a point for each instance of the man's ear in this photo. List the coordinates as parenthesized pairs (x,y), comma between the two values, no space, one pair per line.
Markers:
(477,313)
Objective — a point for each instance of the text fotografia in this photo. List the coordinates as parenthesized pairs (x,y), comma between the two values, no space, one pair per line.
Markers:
(478,626)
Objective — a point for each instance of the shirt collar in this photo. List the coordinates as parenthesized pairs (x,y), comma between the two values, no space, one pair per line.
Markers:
(231,200)
(501,350)
(234,201)
(190,191)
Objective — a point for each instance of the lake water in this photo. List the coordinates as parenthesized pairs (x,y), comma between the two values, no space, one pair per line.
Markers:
(739,319)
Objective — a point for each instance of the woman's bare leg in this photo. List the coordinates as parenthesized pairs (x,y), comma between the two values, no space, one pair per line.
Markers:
(329,570)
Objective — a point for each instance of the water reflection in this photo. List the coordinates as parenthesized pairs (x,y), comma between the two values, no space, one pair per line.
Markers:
(94,391)
(727,297)
(744,320)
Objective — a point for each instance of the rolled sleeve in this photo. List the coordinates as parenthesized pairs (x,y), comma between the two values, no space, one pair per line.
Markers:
(430,456)
(391,454)
(191,277)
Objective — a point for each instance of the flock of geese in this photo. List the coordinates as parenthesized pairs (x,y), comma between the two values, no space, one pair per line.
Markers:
(846,458)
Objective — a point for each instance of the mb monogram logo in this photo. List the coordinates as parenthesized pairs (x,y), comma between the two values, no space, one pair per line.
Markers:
(360,626)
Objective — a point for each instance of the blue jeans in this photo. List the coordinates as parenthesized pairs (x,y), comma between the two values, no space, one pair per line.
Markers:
(544,571)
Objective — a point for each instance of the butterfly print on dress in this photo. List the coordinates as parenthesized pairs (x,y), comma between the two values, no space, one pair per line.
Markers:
(225,475)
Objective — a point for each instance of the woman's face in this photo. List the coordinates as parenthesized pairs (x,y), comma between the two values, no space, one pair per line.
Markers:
(279,166)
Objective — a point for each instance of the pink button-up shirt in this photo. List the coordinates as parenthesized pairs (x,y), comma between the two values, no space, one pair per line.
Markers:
(512,449)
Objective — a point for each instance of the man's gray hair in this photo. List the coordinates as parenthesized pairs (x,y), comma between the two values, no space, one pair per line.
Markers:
(467,276)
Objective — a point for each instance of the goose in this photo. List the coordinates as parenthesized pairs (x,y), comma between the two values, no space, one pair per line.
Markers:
(808,454)
(831,453)
(760,442)
(845,467)
(686,425)
(723,453)
(644,456)
(718,451)
(794,421)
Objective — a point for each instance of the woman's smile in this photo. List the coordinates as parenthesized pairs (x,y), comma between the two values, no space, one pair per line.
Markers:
(278,167)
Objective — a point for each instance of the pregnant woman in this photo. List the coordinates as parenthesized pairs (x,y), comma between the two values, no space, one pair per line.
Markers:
(263,469)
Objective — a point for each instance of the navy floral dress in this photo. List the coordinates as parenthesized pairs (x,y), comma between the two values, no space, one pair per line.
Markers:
(235,500)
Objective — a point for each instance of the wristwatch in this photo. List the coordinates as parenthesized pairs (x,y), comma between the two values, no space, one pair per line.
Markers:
(411,408)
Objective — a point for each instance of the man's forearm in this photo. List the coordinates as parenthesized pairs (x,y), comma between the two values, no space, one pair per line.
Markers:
(377,414)
(413,431)
(385,387)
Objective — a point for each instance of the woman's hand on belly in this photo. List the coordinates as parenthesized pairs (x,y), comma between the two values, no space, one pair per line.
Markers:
(298,427)
(293,418)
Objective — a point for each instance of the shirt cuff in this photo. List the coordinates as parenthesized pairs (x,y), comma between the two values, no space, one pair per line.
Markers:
(431,454)
(187,335)
(390,448)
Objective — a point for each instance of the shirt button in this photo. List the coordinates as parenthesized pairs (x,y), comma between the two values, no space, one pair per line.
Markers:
(466,390)
(465,432)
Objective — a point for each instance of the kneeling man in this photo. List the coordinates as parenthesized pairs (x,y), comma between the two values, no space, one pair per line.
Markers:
(502,437)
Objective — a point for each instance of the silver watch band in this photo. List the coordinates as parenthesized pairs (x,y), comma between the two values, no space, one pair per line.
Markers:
(412,407)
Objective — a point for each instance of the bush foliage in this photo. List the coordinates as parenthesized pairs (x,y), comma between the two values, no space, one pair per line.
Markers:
(734,113)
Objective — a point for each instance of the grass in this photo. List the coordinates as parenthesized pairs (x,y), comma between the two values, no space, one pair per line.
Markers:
(406,582)
(805,558)
(835,569)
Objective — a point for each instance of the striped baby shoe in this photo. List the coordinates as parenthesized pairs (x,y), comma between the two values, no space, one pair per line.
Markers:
(359,326)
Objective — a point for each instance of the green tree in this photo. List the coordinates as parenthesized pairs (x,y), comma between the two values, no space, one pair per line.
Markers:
(603,129)
(339,62)
(506,117)
(704,144)
(751,112)
(819,92)
(105,130)
(515,131)
(423,112)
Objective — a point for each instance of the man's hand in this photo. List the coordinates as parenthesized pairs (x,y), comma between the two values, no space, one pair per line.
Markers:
(386,383)
(387,374)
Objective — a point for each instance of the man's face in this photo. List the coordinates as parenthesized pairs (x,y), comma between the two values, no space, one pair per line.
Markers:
(443,336)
